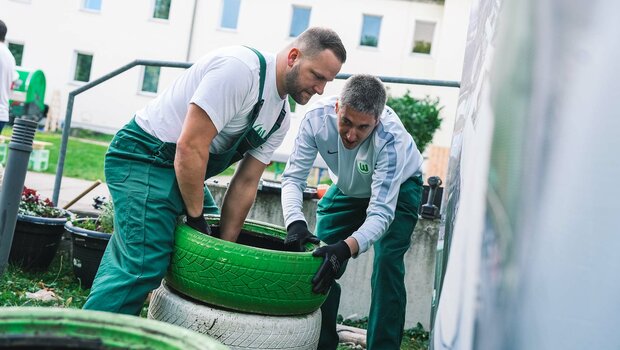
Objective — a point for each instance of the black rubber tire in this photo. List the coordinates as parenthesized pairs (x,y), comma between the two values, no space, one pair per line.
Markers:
(237,330)
(54,328)
(241,277)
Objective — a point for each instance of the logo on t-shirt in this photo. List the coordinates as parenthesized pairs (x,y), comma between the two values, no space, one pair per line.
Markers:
(363,167)
(259,130)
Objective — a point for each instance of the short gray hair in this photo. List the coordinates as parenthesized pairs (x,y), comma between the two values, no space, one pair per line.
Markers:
(364,93)
(316,39)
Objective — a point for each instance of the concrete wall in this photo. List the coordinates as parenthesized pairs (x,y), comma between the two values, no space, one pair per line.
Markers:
(355,301)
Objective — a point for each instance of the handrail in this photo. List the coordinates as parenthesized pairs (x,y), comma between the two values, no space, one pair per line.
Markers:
(67,125)
(171,64)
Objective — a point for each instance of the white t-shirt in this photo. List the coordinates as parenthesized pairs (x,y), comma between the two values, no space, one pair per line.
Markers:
(225,84)
(374,169)
(7,76)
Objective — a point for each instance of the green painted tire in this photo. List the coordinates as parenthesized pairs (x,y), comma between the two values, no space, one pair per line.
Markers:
(37,327)
(241,277)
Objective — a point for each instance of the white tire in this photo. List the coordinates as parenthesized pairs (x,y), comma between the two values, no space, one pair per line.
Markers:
(234,329)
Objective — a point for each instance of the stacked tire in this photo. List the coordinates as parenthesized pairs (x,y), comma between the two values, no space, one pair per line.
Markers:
(55,328)
(248,295)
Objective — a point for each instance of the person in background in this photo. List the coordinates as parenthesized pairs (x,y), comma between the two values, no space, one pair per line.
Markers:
(375,167)
(230,105)
(7,76)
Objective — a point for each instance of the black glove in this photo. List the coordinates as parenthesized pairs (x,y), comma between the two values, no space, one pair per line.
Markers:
(297,235)
(335,257)
(199,224)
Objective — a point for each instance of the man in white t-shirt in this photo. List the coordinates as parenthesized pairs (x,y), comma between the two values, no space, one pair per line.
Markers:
(7,76)
(230,105)
(376,170)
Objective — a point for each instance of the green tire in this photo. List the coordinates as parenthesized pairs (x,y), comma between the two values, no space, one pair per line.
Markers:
(241,277)
(54,328)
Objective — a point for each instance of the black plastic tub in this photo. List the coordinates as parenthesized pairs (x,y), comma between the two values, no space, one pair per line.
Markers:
(87,247)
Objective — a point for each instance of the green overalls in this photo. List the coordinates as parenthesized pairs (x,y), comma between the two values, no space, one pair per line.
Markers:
(338,216)
(139,170)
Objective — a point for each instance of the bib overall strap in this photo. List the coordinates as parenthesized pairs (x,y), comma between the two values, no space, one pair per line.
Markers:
(261,85)
(276,126)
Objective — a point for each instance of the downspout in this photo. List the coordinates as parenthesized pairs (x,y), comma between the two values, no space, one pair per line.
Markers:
(191,32)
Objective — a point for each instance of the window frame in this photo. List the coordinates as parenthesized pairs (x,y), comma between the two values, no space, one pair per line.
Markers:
(293,7)
(432,42)
(87,9)
(141,90)
(76,54)
(154,8)
(23,45)
(221,21)
(360,44)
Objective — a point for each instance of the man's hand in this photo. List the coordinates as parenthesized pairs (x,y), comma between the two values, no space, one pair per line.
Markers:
(199,224)
(297,235)
(335,256)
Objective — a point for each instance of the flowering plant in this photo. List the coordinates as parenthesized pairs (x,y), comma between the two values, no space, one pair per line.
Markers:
(32,204)
(104,222)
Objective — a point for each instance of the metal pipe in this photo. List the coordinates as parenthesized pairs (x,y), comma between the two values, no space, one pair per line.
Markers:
(191,32)
(69,113)
(20,148)
(410,81)
(72,94)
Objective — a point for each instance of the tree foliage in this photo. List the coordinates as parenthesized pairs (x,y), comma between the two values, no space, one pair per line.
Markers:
(419,116)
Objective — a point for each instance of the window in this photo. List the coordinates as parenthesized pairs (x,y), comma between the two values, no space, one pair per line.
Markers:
(300,20)
(370,31)
(83,64)
(91,5)
(150,79)
(423,37)
(230,13)
(161,9)
(17,50)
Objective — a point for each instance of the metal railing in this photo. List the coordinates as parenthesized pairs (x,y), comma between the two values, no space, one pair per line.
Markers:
(170,64)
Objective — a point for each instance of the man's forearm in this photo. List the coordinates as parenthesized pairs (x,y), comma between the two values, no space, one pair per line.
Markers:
(190,172)
(192,156)
(237,203)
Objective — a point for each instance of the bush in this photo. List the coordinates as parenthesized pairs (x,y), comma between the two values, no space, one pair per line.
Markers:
(420,117)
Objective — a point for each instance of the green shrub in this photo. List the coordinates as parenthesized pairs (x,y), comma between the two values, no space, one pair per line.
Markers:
(420,117)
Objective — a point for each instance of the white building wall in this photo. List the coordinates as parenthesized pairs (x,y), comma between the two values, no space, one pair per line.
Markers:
(124,31)
(269,31)
(450,44)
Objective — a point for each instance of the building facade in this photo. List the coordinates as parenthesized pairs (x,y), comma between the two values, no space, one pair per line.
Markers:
(76,41)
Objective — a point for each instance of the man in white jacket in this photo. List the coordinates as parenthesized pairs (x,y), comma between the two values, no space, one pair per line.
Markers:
(375,167)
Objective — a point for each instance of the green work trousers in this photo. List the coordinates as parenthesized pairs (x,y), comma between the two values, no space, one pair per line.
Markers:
(147,202)
(338,216)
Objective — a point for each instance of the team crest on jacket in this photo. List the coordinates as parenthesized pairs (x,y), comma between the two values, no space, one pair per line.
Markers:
(363,167)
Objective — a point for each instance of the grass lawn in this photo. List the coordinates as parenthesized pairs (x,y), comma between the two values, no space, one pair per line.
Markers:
(413,339)
(58,278)
(84,158)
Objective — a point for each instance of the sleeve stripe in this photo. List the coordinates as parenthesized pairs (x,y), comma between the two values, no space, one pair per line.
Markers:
(391,153)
